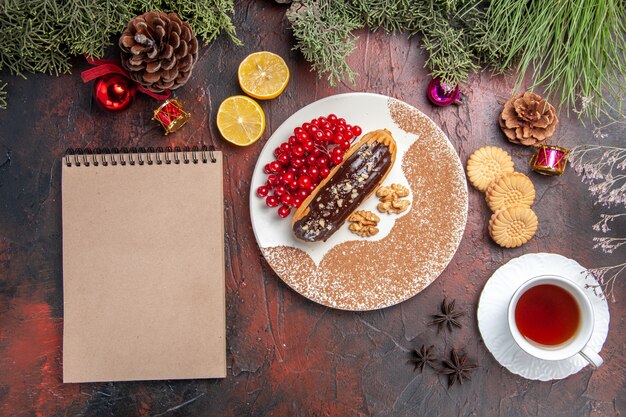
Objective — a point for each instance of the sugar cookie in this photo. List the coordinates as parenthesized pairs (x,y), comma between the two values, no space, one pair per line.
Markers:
(510,190)
(512,227)
(486,164)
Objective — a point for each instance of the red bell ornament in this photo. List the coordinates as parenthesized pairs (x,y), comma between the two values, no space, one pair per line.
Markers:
(114,92)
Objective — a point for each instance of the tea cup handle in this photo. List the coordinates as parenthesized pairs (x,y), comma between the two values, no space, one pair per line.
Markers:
(592,357)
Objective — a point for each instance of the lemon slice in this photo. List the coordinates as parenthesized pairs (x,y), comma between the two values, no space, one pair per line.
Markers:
(263,75)
(240,120)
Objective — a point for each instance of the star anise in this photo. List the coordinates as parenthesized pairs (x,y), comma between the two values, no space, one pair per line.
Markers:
(457,368)
(448,316)
(423,357)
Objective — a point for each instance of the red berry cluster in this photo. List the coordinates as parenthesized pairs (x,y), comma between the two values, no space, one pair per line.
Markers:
(304,160)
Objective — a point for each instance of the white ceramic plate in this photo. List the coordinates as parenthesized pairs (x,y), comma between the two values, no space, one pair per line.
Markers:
(493,307)
(370,112)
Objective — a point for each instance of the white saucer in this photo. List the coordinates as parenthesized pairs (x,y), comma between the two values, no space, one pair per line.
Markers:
(493,306)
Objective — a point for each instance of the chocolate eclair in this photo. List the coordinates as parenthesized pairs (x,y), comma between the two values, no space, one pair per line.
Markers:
(365,166)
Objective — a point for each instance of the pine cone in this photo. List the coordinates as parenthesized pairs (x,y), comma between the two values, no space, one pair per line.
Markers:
(528,119)
(159,50)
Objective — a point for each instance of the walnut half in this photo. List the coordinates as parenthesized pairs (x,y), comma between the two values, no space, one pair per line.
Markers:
(390,198)
(363,223)
(395,206)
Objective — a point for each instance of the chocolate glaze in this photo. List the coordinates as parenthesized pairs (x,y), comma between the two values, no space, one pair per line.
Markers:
(355,179)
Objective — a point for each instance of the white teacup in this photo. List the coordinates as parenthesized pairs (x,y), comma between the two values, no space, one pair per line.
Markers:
(577,344)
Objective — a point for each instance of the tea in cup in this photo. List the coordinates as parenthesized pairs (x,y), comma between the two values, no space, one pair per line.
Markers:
(551,318)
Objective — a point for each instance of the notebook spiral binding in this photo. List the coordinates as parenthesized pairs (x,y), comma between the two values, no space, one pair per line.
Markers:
(139,156)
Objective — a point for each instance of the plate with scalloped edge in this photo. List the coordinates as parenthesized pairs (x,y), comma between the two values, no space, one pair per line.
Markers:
(493,310)
(411,250)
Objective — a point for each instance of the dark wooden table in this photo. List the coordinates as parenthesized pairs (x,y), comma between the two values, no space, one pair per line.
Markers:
(287,356)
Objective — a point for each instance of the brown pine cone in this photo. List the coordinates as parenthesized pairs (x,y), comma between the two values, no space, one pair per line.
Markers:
(528,119)
(159,50)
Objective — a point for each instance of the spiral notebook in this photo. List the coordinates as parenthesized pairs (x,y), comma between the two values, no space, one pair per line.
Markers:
(143,265)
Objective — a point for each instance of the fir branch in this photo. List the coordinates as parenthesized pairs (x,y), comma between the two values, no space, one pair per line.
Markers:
(42,35)
(575,49)
(449,37)
(323,32)
(447,27)
(390,15)
(208,18)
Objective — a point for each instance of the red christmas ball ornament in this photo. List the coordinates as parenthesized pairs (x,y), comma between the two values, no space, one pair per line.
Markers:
(114,92)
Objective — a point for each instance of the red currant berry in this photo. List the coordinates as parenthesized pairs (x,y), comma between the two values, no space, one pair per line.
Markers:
(297,162)
(293,186)
(356,130)
(272,179)
(280,190)
(345,145)
(288,177)
(319,136)
(315,123)
(304,181)
(328,135)
(313,172)
(271,201)
(332,118)
(316,152)
(284,211)
(324,171)
(284,147)
(292,169)
(306,126)
(278,151)
(275,166)
(348,133)
(267,169)
(340,129)
(262,191)
(303,171)
(321,120)
(297,201)
(313,129)
(310,160)
(308,145)
(302,136)
(298,150)
(336,159)
(338,138)
(341,121)
(337,152)
(312,187)
(297,130)
(302,193)
(283,158)
(286,199)
(292,141)
(322,161)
